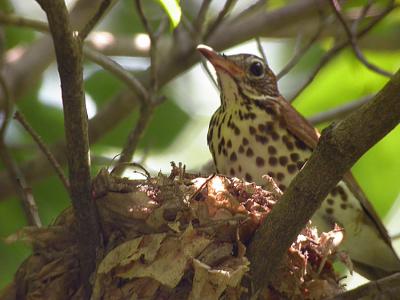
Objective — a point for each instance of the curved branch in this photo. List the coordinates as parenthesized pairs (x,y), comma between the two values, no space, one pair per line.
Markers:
(339,148)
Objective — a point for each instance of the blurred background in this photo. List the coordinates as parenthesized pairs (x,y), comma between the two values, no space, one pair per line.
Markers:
(178,128)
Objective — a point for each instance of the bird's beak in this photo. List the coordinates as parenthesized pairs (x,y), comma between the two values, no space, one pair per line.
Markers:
(220,62)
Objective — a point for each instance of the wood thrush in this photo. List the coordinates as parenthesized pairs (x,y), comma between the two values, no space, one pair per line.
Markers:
(256,131)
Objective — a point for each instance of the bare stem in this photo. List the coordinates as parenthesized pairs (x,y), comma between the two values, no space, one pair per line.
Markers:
(113,67)
(42,146)
(201,17)
(153,40)
(353,42)
(299,54)
(229,4)
(104,5)
(339,47)
(338,112)
(261,50)
(134,136)
(23,22)
(14,173)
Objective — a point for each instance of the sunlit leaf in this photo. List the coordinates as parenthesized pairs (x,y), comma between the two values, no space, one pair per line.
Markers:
(173,9)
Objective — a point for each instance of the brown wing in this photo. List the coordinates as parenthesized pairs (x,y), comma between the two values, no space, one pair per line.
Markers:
(304,131)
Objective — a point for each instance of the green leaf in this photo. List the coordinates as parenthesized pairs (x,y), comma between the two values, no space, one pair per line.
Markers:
(173,9)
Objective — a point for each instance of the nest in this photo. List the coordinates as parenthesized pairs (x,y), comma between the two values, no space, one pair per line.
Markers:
(173,237)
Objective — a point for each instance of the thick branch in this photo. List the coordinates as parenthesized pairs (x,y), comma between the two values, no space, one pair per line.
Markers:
(339,148)
(68,48)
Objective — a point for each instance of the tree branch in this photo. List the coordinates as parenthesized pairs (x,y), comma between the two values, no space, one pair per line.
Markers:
(14,173)
(339,47)
(104,5)
(352,37)
(229,4)
(148,103)
(198,24)
(42,146)
(68,48)
(132,142)
(105,42)
(384,288)
(105,62)
(153,48)
(339,148)
(118,71)
(299,54)
(338,112)
(23,73)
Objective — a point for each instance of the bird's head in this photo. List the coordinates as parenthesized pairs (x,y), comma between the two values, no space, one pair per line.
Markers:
(245,75)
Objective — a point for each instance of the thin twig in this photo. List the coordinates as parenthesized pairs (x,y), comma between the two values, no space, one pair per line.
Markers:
(117,70)
(229,4)
(84,32)
(208,72)
(122,46)
(364,12)
(336,49)
(148,103)
(338,112)
(201,187)
(23,22)
(42,146)
(255,7)
(164,23)
(353,42)
(93,55)
(299,54)
(128,151)
(132,164)
(24,194)
(198,24)
(153,49)
(7,106)
(261,50)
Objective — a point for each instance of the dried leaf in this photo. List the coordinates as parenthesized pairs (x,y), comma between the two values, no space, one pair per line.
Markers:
(210,283)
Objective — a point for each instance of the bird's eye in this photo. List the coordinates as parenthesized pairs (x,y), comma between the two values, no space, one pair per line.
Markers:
(256,69)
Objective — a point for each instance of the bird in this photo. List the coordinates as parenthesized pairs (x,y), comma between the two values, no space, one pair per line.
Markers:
(256,132)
